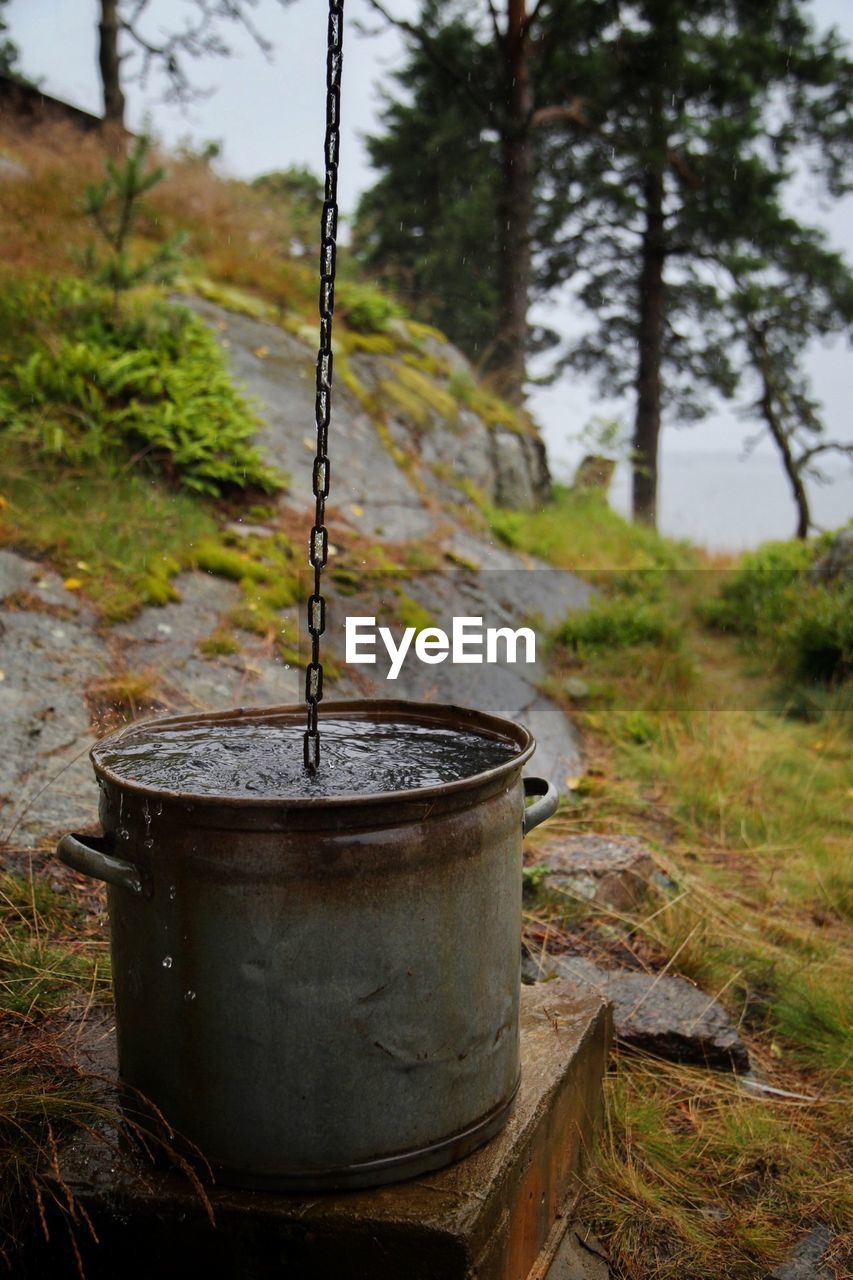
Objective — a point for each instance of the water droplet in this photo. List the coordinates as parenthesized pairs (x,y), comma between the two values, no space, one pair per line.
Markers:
(167,962)
(189,996)
(148,844)
(173,892)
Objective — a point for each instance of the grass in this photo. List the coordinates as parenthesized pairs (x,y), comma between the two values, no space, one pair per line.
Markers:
(53,959)
(749,812)
(578,531)
(119,536)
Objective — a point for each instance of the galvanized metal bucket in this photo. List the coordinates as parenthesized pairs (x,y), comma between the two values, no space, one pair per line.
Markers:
(320,994)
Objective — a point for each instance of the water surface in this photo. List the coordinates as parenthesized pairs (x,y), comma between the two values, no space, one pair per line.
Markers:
(263,759)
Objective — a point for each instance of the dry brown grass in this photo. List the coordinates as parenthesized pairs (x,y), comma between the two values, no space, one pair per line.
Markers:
(237,233)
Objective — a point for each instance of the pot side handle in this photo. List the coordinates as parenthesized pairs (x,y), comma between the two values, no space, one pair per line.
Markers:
(544,807)
(87,855)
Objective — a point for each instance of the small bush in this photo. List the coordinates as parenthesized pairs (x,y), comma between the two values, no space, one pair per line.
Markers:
(758,597)
(366,310)
(805,628)
(816,643)
(619,623)
(78,384)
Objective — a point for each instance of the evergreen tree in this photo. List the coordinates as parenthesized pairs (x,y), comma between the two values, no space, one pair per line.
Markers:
(775,309)
(688,158)
(8,49)
(660,138)
(479,85)
(429,226)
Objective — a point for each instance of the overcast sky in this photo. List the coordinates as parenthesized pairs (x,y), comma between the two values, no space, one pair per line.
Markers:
(270,114)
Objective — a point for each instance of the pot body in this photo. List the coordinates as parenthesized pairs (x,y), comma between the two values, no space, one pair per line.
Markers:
(322,994)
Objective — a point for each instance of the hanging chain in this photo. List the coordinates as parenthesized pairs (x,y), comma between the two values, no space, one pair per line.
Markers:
(318,546)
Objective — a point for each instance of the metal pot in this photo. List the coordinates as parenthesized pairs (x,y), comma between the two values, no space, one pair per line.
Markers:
(320,994)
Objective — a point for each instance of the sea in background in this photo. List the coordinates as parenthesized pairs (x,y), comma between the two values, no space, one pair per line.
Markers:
(725,502)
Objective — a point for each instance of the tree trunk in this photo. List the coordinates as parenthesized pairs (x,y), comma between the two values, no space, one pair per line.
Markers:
(761,359)
(651,310)
(510,351)
(109,63)
(650,344)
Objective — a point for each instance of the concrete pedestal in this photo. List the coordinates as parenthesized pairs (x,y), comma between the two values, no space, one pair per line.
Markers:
(497,1215)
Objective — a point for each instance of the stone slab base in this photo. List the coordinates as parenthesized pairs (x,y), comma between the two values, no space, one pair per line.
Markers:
(498,1215)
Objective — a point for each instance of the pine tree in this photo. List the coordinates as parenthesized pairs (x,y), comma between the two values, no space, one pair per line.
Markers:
(661,138)
(113,204)
(482,83)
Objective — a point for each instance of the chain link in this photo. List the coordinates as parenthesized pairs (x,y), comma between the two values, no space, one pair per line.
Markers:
(318,543)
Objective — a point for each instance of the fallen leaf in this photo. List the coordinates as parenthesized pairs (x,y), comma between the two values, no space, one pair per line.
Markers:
(309,443)
(3,502)
(2,675)
(262,352)
(81,564)
(573,783)
(356,509)
(72,584)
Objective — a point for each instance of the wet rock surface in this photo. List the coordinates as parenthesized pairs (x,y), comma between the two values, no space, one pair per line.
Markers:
(653,1013)
(53,651)
(49,652)
(806,1259)
(612,870)
(579,1257)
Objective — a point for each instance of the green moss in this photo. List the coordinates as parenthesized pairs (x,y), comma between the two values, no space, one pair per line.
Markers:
(371,344)
(227,296)
(436,399)
(130,532)
(365,309)
(421,332)
(219,643)
(213,557)
(411,613)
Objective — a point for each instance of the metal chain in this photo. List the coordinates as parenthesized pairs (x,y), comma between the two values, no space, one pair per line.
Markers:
(318,545)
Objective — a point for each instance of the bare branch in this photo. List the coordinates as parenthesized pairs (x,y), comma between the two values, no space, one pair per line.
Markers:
(532,16)
(428,45)
(572,111)
(500,36)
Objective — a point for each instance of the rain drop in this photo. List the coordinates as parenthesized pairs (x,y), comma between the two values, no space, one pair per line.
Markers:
(189,996)
(173,892)
(167,962)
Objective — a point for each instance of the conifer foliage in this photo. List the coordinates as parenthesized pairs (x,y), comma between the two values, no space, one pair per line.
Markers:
(661,140)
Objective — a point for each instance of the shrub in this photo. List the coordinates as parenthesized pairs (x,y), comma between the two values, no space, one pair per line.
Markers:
(759,595)
(79,384)
(805,628)
(816,642)
(619,623)
(366,310)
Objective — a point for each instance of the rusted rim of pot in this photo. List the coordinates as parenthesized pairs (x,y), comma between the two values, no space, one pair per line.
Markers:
(394,710)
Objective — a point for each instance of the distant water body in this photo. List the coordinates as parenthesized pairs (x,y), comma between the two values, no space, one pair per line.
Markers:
(728,503)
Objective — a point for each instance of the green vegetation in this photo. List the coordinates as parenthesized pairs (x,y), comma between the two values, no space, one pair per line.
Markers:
(749,814)
(150,388)
(365,309)
(113,204)
(579,531)
(618,624)
(772,604)
(119,536)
